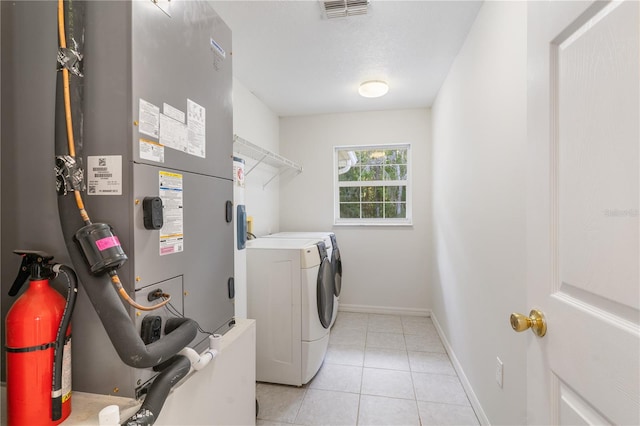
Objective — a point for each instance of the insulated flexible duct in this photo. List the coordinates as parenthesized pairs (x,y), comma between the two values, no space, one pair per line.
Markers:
(177,369)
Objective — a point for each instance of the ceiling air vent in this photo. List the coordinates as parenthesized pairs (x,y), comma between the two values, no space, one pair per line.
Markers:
(341,8)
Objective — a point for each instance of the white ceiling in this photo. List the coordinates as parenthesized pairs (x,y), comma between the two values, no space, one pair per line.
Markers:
(298,62)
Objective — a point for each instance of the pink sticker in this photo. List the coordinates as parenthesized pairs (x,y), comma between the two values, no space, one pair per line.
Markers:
(166,250)
(107,243)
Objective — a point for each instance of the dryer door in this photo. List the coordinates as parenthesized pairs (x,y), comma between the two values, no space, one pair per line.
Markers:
(336,264)
(325,290)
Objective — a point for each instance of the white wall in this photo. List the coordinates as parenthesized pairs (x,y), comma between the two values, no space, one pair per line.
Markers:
(255,122)
(478,277)
(384,268)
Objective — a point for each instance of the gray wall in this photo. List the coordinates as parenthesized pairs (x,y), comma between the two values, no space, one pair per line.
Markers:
(386,268)
(479,217)
(28,105)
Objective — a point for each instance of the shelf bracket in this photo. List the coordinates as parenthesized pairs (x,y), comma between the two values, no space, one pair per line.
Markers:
(256,165)
(263,156)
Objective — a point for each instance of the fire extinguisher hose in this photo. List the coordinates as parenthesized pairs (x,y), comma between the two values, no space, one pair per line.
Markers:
(56,385)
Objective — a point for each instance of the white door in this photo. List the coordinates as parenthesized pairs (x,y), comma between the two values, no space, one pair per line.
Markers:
(583,212)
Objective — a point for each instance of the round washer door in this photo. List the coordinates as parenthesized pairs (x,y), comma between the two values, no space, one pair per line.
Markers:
(325,291)
(336,265)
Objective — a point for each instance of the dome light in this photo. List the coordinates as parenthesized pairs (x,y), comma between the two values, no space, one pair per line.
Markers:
(373,89)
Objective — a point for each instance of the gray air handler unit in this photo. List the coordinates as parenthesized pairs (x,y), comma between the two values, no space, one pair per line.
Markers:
(156,149)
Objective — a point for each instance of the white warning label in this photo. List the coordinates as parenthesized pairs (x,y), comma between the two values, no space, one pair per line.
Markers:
(172,231)
(196,124)
(173,134)
(151,151)
(148,119)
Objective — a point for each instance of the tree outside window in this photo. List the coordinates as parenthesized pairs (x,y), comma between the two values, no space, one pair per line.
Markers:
(372,185)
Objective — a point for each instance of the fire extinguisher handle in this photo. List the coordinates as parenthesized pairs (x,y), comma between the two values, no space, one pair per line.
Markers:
(34,263)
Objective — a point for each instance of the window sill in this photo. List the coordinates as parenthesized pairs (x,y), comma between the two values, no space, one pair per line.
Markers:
(376,224)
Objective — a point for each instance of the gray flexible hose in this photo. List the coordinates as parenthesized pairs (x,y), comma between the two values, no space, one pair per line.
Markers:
(177,369)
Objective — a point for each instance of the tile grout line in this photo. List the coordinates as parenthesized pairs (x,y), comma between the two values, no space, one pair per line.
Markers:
(410,371)
(413,386)
(304,396)
(364,354)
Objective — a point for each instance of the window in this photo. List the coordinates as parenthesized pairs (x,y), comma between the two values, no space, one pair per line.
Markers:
(372,185)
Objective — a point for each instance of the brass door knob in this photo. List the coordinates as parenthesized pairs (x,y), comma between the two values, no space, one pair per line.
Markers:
(535,321)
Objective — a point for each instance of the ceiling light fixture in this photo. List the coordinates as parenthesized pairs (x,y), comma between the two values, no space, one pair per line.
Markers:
(373,88)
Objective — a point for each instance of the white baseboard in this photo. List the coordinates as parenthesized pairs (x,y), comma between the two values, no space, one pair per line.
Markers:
(367,309)
(475,403)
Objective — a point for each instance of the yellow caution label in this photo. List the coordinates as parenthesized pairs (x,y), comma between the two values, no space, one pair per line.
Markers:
(169,174)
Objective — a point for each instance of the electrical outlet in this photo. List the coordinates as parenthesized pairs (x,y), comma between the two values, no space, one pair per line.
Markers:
(499,372)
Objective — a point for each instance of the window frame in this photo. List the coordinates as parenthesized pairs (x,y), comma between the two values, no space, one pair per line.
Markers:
(337,184)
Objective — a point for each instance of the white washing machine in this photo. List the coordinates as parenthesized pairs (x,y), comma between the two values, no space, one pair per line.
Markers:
(290,295)
(333,252)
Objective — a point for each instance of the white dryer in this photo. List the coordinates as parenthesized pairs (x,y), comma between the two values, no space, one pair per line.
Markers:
(333,252)
(290,295)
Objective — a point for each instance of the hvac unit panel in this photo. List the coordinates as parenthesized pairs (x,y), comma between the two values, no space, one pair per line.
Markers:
(107,80)
(198,244)
(202,255)
(182,64)
(158,86)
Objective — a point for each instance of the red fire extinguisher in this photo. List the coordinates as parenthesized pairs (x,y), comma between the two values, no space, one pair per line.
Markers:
(38,344)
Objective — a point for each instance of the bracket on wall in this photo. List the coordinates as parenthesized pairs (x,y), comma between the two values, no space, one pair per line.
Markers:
(243,147)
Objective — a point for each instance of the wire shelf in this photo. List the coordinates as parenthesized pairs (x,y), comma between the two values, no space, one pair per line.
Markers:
(243,147)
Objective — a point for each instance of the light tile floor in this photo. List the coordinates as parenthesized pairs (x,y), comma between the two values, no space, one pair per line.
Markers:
(379,370)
